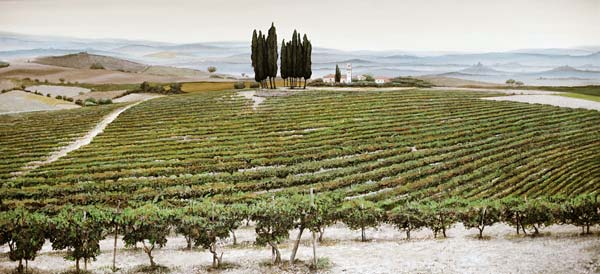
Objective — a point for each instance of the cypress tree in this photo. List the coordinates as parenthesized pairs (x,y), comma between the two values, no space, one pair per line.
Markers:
(259,64)
(299,58)
(283,61)
(307,59)
(288,62)
(294,64)
(265,48)
(272,53)
(253,46)
(338,74)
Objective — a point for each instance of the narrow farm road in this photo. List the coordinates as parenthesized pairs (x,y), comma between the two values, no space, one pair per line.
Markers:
(81,141)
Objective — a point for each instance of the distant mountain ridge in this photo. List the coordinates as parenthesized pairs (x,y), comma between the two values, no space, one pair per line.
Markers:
(233,57)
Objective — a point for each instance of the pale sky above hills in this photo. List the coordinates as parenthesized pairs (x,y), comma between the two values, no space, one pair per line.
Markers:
(422,25)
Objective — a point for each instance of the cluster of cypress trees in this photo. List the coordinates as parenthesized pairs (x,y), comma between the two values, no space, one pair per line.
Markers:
(295,59)
(264,57)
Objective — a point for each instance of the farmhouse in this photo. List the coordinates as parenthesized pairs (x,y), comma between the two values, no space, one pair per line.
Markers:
(330,78)
(381,79)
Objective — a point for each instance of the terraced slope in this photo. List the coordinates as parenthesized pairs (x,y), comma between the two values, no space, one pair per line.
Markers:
(384,146)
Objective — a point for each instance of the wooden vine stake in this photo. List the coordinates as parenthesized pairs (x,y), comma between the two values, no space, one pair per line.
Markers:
(314,234)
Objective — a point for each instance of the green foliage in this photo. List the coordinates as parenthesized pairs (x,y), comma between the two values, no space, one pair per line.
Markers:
(361,214)
(537,213)
(274,219)
(338,74)
(480,214)
(205,223)
(239,85)
(148,224)
(369,78)
(79,230)
(407,217)
(96,66)
(211,69)
(583,211)
(440,216)
(24,232)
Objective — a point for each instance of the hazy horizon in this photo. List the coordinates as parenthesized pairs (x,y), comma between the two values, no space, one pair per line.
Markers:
(431,25)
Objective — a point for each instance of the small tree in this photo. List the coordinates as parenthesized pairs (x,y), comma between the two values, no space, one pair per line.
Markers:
(274,219)
(313,215)
(407,217)
(479,215)
(79,229)
(510,82)
(148,223)
(537,213)
(175,88)
(369,78)
(440,216)
(24,232)
(212,69)
(62,80)
(583,211)
(338,74)
(206,223)
(510,212)
(361,214)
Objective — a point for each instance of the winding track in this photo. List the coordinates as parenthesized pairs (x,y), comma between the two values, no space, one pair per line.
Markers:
(80,142)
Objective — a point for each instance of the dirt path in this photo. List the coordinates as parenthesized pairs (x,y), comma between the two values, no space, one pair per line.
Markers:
(559,250)
(251,94)
(82,141)
(554,100)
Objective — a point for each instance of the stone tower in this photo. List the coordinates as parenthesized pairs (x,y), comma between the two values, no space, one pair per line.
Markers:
(349,73)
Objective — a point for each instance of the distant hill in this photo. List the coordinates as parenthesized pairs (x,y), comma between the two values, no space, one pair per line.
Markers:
(480,69)
(85,60)
(567,72)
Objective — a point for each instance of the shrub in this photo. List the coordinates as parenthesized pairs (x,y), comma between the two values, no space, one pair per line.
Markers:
(48,95)
(361,214)
(62,80)
(212,69)
(70,99)
(79,102)
(254,85)
(59,97)
(104,101)
(24,232)
(239,85)
(96,66)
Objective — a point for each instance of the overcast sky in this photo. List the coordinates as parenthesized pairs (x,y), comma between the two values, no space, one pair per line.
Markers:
(422,25)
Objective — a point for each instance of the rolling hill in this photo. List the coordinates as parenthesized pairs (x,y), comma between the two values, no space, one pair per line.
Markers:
(84,60)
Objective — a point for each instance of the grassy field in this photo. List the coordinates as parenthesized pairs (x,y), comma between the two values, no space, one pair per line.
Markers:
(387,147)
(581,96)
(214,86)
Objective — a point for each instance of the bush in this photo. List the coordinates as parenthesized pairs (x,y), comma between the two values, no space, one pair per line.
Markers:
(79,102)
(212,69)
(239,85)
(70,99)
(254,85)
(104,101)
(59,97)
(48,95)
(96,66)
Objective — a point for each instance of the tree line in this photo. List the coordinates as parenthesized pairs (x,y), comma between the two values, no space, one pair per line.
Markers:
(79,229)
(295,59)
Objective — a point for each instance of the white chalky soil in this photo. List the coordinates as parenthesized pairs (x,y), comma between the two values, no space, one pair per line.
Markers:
(559,250)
